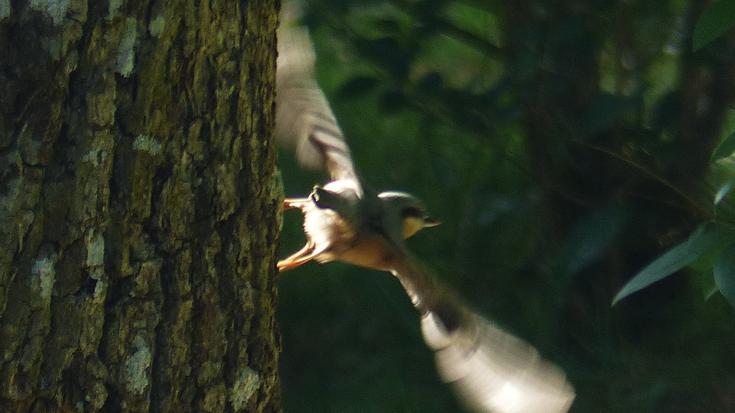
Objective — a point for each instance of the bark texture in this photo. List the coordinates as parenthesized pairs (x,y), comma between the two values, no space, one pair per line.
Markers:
(138,206)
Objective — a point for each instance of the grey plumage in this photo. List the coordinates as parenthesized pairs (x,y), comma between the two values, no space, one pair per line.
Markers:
(304,119)
(490,370)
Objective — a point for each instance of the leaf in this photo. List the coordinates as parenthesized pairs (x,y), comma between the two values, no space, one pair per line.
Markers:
(724,272)
(604,112)
(388,25)
(431,83)
(722,192)
(392,102)
(704,238)
(386,53)
(725,148)
(717,19)
(357,86)
(590,238)
(711,292)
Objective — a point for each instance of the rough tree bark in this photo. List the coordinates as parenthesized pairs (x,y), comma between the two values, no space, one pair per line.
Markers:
(138,206)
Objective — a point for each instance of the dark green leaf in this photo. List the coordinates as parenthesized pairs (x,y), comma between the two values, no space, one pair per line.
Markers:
(386,53)
(705,238)
(725,148)
(392,102)
(431,83)
(357,86)
(724,272)
(605,111)
(713,23)
(590,237)
(388,25)
(711,292)
(722,192)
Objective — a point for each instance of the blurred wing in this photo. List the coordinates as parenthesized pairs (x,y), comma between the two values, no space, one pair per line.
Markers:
(491,370)
(304,119)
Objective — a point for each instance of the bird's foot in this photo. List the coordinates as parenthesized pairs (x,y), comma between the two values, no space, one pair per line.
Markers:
(297,259)
(294,203)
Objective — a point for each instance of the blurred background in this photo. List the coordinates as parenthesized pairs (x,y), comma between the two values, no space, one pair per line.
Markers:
(565,145)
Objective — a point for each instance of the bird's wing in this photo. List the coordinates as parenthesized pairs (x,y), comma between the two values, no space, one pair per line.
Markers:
(491,370)
(304,119)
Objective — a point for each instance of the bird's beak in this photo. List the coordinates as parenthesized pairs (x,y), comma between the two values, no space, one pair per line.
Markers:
(430,222)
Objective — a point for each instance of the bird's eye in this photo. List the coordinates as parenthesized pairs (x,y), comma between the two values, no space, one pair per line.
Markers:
(412,212)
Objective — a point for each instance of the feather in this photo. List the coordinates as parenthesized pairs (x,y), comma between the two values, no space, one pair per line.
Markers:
(304,119)
(490,370)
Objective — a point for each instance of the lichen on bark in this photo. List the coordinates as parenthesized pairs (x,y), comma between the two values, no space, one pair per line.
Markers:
(138,206)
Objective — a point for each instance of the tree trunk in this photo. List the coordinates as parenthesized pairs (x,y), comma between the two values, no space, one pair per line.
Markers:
(138,206)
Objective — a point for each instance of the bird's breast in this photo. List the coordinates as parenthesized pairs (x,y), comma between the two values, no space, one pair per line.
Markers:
(371,251)
(328,231)
(337,240)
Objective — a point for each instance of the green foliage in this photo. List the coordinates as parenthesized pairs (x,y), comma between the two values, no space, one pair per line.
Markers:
(724,272)
(722,192)
(706,238)
(564,147)
(590,238)
(716,20)
(725,148)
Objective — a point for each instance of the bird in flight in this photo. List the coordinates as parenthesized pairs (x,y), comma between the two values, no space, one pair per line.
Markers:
(346,220)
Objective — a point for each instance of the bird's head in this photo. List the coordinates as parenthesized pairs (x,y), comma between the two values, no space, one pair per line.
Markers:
(410,210)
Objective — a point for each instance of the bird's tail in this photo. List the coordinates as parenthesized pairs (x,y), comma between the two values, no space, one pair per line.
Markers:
(491,370)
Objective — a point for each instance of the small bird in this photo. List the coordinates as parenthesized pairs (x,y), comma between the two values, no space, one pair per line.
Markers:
(345,220)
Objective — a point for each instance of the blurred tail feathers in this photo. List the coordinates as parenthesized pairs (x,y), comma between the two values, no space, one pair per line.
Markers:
(491,371)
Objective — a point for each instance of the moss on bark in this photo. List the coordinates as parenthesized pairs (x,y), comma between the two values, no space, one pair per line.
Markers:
(138,206)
